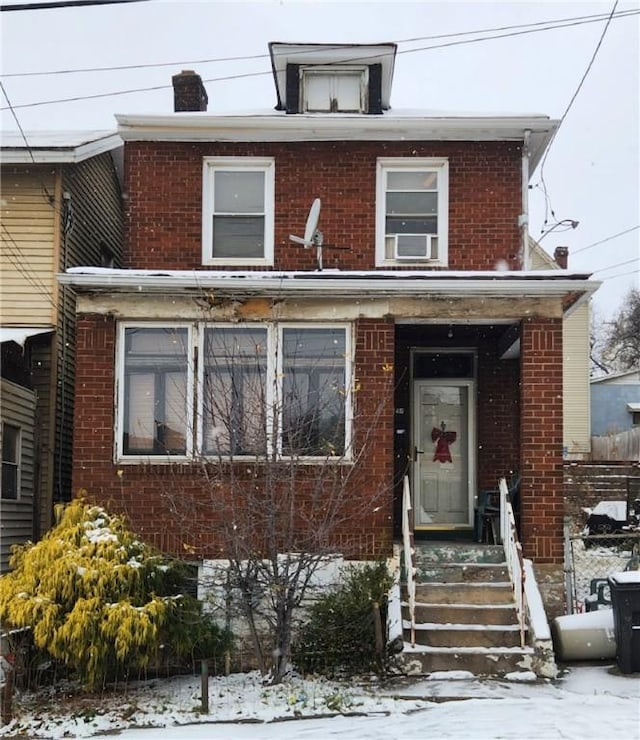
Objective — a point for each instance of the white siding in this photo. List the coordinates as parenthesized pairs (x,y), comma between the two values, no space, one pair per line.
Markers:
(576,381)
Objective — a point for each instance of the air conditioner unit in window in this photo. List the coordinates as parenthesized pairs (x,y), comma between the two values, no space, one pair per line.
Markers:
(412,246)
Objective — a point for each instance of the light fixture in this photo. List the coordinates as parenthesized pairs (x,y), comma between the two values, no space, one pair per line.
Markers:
(567,223)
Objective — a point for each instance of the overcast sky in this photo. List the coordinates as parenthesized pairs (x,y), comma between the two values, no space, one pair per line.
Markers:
(591,172)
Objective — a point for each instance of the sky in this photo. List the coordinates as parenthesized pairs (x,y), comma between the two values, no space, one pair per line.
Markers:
(579,73)
(585,701)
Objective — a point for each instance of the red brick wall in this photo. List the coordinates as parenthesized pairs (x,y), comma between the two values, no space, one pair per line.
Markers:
(542,488)
(172,506)
(164,200)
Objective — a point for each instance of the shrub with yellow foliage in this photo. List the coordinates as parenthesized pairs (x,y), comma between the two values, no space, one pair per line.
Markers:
(98,599)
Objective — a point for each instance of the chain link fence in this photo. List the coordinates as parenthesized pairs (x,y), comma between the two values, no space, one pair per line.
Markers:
(590,560)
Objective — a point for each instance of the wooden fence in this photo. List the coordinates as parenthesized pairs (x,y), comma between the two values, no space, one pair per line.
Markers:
(623,446)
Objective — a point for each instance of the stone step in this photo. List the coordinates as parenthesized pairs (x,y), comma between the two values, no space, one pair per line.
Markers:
(463,613)
(498,592)
(420,660)
(462,572)
(457,553)
(464,635)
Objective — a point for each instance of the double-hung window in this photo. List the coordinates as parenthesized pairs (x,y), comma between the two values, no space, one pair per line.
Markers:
(10,461)
(238,211)
(412,212)
(258,390)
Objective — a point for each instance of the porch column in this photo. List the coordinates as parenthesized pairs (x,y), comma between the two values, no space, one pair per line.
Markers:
(541,493)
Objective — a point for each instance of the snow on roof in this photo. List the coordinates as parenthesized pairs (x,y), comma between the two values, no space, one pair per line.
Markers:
(55,146)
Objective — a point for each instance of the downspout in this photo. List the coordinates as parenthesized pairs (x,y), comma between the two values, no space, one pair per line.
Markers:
(523,219)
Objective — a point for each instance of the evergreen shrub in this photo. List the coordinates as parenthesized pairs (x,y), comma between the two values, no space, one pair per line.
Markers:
(338,638)
(102,602)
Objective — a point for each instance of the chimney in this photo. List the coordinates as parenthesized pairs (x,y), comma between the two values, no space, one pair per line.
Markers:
(561,256)
(188,92)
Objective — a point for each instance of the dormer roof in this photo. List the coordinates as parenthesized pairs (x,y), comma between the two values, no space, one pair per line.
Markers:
(285,54)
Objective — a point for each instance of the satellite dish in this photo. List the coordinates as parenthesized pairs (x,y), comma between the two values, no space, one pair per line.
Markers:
(313,237)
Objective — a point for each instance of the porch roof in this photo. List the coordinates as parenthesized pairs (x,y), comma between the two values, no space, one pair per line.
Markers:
(573,287)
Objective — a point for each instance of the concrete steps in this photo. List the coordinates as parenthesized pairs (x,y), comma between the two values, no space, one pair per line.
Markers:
(465,613)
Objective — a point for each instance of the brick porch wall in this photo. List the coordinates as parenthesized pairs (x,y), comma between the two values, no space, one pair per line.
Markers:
(542,494)
(155,497)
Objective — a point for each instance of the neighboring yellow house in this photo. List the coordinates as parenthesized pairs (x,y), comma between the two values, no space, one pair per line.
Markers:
(576,411)
(61,206)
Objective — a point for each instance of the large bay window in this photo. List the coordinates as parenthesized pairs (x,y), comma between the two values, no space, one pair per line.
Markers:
(412,212)
(262,390)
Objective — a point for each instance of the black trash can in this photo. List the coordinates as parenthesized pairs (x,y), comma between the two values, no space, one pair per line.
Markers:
(625,599)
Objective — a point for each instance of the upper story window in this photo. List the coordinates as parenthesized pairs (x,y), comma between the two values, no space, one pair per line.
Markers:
(333,89)
(10,461)
(237,211)
(412,212)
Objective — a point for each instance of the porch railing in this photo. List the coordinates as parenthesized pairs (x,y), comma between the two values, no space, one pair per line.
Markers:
(513,556)
(408,553)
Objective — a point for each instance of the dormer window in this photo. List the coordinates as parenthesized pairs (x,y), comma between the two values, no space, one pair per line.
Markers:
(334,89)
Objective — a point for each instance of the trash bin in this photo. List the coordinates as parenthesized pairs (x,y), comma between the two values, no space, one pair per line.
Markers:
(625,598)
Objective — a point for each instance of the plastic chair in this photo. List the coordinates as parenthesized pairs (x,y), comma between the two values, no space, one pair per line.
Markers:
(487,514)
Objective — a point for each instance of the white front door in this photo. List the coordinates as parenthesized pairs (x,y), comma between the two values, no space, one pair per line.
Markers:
(443,452)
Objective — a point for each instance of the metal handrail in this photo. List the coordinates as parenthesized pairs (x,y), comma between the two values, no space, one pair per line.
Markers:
(513,556)
(407,556)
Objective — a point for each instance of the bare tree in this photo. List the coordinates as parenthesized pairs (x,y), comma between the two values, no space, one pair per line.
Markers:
(284,478)
(621,345)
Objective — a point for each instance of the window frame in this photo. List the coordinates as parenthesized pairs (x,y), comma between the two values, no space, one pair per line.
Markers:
(361,72)
(210,166)
(119,454)
(16,464)
(439,165)
(195,425)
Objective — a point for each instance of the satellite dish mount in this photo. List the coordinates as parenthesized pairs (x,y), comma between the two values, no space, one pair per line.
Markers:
(312,237)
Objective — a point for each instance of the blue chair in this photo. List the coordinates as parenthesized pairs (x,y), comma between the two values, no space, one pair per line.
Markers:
(487,514)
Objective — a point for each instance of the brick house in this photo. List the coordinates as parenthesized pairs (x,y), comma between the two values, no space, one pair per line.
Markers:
(410,334)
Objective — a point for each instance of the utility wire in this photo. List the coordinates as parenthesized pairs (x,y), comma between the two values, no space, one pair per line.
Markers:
(606,239)
(565,22)
(269,72)
(65,4)
(619,264)
(573,98)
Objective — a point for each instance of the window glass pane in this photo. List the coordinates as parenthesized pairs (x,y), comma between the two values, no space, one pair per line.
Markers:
(234,404)
(314,391)
(412,180)
(155,391)
(238,236)
(420,203)
(10,460)
(332,92)
(238,192)
(407,225)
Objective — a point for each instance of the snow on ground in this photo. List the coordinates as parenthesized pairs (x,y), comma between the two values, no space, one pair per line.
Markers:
(586,701)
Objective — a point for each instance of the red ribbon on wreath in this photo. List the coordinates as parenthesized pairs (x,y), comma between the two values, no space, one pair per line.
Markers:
(443,440)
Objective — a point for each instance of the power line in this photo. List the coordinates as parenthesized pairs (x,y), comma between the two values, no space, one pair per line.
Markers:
(65,4)
(619,264)
(573,98)
(225,78)
(606,239)
(560,23)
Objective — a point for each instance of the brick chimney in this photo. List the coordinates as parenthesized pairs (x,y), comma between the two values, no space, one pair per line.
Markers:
(561,256)
(188,92)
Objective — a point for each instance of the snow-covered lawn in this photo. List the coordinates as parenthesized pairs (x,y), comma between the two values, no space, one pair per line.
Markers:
(587,701)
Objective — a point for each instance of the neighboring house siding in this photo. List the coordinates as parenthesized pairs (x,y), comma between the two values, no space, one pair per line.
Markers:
(164,184)
(27,282)
(576,409)
(609,411)
(16,516)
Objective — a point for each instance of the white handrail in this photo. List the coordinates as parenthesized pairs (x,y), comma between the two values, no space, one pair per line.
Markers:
(407,555)
(513,555)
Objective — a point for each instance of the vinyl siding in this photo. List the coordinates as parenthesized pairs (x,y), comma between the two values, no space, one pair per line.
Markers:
(576,383)
(28,289)
(16,517)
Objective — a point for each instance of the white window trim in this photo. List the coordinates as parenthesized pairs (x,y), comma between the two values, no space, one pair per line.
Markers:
(361,72)
(419,164)
(210,166)
(119,454)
